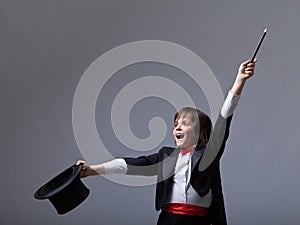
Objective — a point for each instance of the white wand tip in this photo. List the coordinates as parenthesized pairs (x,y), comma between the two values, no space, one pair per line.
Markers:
(265,30)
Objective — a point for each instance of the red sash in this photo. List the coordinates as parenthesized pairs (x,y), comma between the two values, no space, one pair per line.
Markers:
(185,209)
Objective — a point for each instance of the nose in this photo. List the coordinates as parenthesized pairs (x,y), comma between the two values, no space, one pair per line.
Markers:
(178,127)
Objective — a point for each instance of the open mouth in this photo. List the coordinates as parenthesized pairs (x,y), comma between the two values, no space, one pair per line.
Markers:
(179,136)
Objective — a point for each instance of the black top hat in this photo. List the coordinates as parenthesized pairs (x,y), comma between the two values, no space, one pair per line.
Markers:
(65,191)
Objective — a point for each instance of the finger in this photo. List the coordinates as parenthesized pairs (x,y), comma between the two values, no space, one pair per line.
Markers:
(251,65)
(249,69)
(80,162)
(250,73)
(246,62)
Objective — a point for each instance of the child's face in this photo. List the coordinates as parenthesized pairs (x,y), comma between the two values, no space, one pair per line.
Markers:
(184,131)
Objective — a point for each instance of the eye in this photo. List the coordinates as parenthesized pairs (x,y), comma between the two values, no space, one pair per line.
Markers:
(185,123)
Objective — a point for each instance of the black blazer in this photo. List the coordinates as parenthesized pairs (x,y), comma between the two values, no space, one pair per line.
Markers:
(205,172)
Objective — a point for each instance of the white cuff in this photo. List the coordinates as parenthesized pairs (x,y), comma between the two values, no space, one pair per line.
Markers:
(116,166)
(229,105)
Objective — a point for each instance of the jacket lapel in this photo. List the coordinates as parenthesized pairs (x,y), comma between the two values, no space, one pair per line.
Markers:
(196,156)
(168,164)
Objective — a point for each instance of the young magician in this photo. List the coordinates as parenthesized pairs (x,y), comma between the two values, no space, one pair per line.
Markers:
(185,194)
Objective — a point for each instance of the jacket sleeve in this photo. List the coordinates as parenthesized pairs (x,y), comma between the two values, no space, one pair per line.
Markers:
(216,144)
(143,165)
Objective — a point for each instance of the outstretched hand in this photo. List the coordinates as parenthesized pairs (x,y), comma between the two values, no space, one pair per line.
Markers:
(245,71)
(88,170)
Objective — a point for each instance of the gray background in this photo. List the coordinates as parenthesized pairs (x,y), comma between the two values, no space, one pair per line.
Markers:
(46,46)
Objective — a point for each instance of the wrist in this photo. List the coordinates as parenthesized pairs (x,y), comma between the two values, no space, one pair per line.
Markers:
(240,78)
(96,170)
(238,86)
